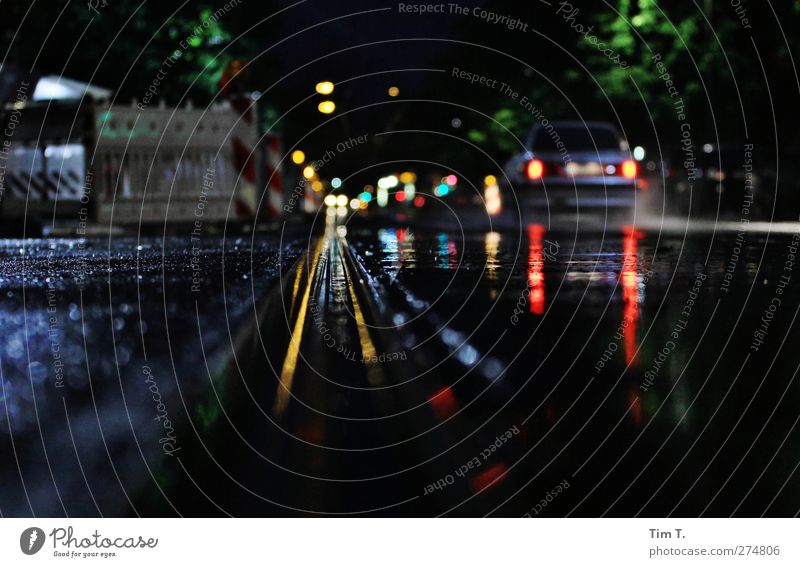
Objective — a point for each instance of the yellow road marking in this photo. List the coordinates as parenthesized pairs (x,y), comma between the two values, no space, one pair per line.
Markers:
(293,350)
(297,279)
(368,351)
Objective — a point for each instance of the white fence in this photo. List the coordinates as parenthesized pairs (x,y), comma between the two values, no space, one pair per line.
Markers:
(161,165)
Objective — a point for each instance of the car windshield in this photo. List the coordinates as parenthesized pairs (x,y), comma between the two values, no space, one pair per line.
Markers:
(574,138)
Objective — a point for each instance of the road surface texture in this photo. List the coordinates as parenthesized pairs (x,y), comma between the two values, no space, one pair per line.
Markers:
(403,368)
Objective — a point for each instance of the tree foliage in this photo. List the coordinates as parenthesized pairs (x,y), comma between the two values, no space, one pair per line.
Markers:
(711,55)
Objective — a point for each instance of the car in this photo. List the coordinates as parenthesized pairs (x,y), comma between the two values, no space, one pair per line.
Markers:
(571,164)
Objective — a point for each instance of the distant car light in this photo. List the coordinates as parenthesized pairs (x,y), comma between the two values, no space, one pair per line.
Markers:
(298,157)
(324,88)
(388,182)
(382,196)
(326,106)
(441,190)
(630,169)
(535,169)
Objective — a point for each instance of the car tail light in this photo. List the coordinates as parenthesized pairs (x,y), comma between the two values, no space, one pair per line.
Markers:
(535,169)
(629,169)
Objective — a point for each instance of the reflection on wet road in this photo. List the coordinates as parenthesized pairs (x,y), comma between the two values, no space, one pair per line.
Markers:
(407,370)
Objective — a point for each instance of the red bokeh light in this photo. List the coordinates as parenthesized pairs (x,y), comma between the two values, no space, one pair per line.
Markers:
(488,477)
(444,403)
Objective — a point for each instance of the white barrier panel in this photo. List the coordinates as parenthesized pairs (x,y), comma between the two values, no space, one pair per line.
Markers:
(166,165)
(394,542)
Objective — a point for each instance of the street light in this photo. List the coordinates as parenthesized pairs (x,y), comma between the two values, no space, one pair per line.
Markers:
(298,157)
(324,87)
(408,177)
(382,196)
(308,172)
(326,106)
(394,91)
(388,182)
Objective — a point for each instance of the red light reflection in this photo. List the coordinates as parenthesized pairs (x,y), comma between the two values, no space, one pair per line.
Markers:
(630,290)
(635,403)
(311,432)
(536,268)
(444,403)
(489,477)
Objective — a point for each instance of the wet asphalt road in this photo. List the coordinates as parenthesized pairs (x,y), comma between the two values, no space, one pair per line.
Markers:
(403,369)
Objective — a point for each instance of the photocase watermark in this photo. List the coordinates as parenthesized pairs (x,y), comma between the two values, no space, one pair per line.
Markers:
(741,14)
(295,195)
(298,191)
(20,97)
(53,324)
(330,341)
(744,219)
(184,44)
(80,269)
(565,9)
(523,101)
(340,148)
(31,541)
(67,544)
(168,442)
(472,464)
(94,5)
(769,312)
(679,109)
(197,228)
(570,13)
(548,498)
(613,345)
(510,22)
(669,347)
(550,249)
